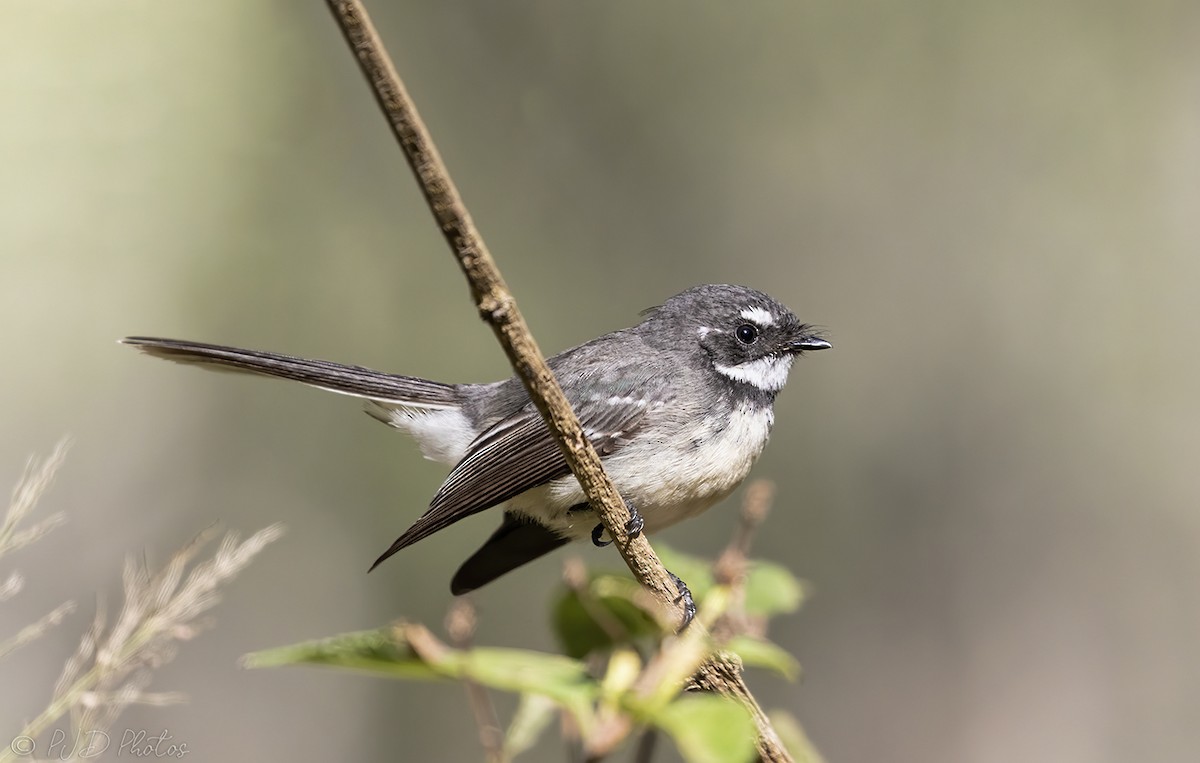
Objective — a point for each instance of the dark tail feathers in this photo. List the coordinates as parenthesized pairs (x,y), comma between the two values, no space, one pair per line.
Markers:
(335,377)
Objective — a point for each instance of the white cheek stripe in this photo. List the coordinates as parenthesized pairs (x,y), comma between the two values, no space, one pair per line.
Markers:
(768,374)
(759,315)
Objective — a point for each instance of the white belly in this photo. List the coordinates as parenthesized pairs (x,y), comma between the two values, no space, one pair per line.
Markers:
(693,473)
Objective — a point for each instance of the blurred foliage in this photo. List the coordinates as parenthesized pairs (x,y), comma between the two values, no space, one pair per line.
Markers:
(622,673)
(115,661)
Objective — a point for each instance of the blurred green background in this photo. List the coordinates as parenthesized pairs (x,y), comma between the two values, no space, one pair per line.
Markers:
(993,207)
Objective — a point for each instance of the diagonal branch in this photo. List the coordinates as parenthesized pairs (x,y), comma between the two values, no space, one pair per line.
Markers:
(498,309)
(495,302)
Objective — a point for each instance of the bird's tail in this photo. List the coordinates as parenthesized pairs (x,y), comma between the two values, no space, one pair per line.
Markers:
(407,391)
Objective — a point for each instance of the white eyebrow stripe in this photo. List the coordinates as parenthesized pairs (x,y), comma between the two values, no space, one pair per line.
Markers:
(759,315)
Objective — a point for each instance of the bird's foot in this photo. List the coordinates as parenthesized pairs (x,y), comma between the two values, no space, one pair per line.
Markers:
(633,527)
(636,523)
(597,531)
(685,597)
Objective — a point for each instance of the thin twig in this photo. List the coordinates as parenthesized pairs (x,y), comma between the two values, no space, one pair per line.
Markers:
(498,308)
(460,626)
(732,566)
(493,298)
(755,506)
(644,752)
(723,674)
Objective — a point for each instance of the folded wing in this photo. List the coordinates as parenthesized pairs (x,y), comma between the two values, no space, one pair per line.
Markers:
(517,453)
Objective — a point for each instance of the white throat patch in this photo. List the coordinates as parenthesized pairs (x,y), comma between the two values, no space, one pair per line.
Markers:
(768,374)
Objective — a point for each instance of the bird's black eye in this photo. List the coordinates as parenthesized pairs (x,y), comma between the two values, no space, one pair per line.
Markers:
(747,333)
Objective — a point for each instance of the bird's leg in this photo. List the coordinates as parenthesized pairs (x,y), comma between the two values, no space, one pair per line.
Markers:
(633,527)
(685,596)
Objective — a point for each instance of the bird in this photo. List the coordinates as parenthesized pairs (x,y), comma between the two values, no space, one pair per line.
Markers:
(678,406)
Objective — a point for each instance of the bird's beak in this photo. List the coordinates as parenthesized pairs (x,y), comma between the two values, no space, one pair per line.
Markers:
(807,344)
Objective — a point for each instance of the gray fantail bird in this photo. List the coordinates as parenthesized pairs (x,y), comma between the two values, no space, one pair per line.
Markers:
(678,407)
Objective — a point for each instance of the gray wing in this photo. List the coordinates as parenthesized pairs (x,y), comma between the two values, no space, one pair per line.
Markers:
(517,453)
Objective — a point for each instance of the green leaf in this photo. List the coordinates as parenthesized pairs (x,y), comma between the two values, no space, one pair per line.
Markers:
(577,615)
(382,652)
(772,589)
(534,714)
(760,653)
(692,570)
(709,729)
(521,670)
(371,651)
